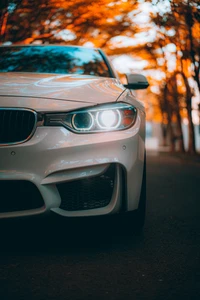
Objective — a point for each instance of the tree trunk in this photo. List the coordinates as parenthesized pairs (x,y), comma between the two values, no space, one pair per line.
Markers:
(164,133)
(172,136)
(169,118)
(178,115)
(191,146)
(167,129)
(196,65)
(191,143)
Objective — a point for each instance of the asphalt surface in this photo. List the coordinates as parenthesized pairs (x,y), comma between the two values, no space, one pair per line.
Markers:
(46,259)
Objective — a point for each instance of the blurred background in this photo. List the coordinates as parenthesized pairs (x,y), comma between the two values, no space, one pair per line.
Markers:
(160,39)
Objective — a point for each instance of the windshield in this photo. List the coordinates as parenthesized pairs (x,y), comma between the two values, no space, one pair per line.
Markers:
(53,59)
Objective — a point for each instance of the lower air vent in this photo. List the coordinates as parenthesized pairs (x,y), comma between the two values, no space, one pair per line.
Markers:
(90,193)
(19,195)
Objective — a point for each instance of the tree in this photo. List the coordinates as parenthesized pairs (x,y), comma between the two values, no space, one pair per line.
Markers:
(99,21)
(55,21)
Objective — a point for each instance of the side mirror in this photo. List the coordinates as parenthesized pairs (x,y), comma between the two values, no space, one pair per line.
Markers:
(136,82)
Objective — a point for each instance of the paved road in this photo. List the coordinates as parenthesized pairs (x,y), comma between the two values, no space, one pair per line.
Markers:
(164,263)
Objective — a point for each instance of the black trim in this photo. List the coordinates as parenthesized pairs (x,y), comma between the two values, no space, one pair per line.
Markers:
(112,74)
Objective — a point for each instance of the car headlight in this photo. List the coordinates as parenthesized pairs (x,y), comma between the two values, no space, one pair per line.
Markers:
(101,118)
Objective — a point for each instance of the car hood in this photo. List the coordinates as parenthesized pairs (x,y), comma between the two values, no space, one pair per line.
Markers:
(80,88)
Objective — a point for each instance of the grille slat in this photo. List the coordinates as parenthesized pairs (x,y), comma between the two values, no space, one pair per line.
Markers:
(29,122)
(2,118)
(16,125)
(9,124)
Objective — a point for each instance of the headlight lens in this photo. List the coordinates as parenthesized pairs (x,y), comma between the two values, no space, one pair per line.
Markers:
(83,121)
(108,119)
(101,118)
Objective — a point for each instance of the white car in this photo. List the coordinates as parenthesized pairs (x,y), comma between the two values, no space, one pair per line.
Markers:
(72,137)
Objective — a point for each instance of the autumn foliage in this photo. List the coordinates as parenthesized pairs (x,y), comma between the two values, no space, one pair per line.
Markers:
(172,53)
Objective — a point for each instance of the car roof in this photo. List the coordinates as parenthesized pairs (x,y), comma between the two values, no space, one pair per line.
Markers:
(51,45)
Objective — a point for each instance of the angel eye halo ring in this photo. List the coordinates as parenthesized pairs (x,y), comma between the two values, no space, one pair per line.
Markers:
(108,119)
(83,121)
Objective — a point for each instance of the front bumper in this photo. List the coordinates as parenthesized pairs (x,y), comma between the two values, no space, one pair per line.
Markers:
(54,156)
